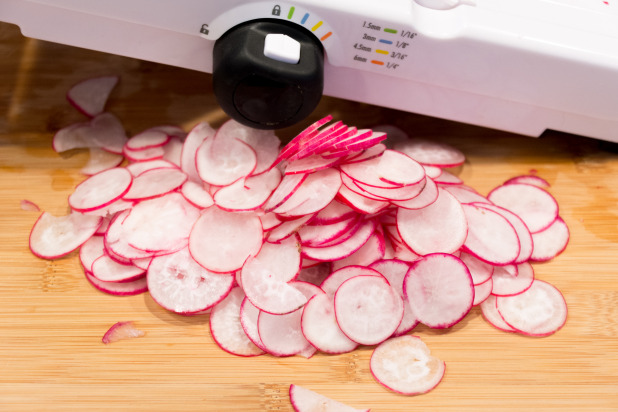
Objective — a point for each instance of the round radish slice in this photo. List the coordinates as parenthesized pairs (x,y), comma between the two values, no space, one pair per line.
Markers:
(305,400)
(343,249)
(248,320)
(101,189)
(196,194)
(105,131)
(439,290)
(491,237)
(336,278)
(286,188)
(248,194)
(320,328)
(106,269)
(480,271)
(539,311)
(179,284)
(90,96)
(135,287)
(319,234)
(92,249)
(361,203)
(147,139)
(426,197)
(193,141)
(465,194)
(550,242)
(529,180)
(373,250)
(333,213)
(535,206)
(405,365)
(100,160)
(507,284)
(309,164)
(222,241)
(523,234)
(397,168)
(489,310)
(368,309)
(52,236)
(155,182)
(431,153)
(482,291)
(226,329)
(223,161)
(439,227)
(313,195)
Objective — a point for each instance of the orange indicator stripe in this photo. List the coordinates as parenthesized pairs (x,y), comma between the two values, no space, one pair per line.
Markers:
(378,62)
(326,36)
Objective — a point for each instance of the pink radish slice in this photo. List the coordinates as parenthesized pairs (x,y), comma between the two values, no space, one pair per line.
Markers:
(106,269)
(248,319)
(431,153)
(116,239)
(287,229)
(313,195)
(320,328)
(221,241)
(343,249)
(264,142)
(360,203)
(248,194)
(270,221)
(100,160)
(394,193)
(448,179)
(226,329)
(539,311)
(368,309)
(29,206)
(101,189)
(196,195)
(92,249)
(155,182)
(550,242)
(535,206)
(179,284)
(439,290)
(395,271)
(138,168)
(523,234)
(316,235)
(305,400)
(265,277)
(367,154)
(223,161)
(173,151)
(426,197)
(337,277)
(282,334)
(529,180)
(399,169)
(147,139)
(309,164)
(491,237)
(482,291)
(405,365)
(161,224)
(371,251)
(70,137)
(334,212)
(465,194)
(480,271)
(105,131)
(135,287)
(90,96)
(302,137)
(323,138)
(439,227)
(151,153)
(193,141)
(506,284)
(120,331)
(355,187)
(286,188)
(490,313)
(52,236)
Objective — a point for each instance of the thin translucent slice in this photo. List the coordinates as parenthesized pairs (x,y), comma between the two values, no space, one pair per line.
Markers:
(539,311)
(371,251)
(155,182)
(286,188)
(337,277)
(90,96)
(507,284)
(439,227)
(52,236)
(222,241)
(92,249)
(523,234)
(226,329)
(313,195)
(196,194)
(107,269)
(404,365)
(480,271)
(222,161)
(135,287)
(550,242)
(426,197)
(249,193)
(193,141)
(343,249)
(360,203)
(306,400)
(431,153)
(120,331)
(490,313)
(100,160)
(101,189)
(248,319)
(530,180)
(147,139)
(482,291)
(399,169)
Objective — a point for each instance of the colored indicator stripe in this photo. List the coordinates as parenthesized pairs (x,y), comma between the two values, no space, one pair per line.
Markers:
(378,62)
(305,17)
(326,36)
(391,31)
(291,12)
(317,26)
(386,41)
(381,51)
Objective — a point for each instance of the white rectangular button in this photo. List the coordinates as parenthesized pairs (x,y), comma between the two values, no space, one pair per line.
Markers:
(282,48)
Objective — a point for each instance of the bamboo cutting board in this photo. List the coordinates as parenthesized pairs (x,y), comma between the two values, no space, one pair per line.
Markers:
(52,320)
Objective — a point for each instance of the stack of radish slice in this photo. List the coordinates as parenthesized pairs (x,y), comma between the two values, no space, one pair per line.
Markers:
(339,239)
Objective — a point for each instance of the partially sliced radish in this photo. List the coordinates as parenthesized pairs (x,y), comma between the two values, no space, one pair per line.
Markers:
(320,328)
(405,365)
(221,241)
(551,241)
(155,182)
(368,309)
(306,400)
(120,331)
(534,205)
(539,311)
(226,329)
(53,237)
(439,290)
(180,284)
(101,189)
(507,284)
(90,96)
(439,227)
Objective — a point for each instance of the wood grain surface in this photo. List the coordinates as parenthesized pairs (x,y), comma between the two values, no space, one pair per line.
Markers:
(52,320)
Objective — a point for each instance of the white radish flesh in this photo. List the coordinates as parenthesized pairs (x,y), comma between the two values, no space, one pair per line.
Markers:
(52,236)
(551,241)
(101,189)
(120,331)
(90,96)
(305,400)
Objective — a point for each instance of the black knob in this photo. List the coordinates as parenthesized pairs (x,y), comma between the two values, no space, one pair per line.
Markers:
(265,92)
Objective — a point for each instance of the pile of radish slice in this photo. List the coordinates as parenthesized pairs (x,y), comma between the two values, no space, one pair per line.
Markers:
(341,238)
